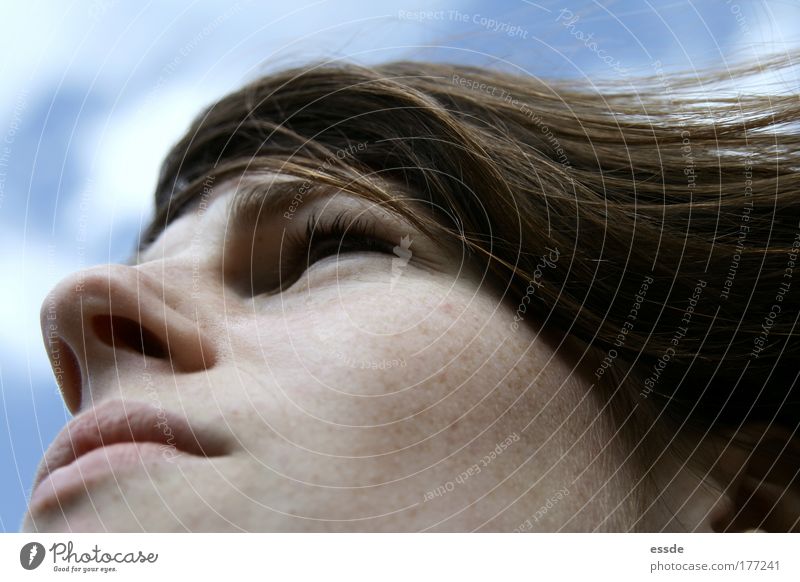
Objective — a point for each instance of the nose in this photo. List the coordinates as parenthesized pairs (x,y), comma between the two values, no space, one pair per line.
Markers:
(118,317)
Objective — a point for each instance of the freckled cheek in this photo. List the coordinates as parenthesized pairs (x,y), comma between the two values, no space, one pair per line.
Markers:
(412,334)
(411,384)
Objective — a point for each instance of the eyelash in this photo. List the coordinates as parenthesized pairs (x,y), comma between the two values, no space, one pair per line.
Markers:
(340,235)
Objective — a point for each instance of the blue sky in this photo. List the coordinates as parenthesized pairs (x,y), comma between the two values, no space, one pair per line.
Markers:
(94,93)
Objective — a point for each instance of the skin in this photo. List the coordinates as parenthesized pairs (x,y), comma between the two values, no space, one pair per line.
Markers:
(355,399)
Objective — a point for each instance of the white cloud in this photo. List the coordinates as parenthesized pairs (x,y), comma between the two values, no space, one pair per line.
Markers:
(123,159)
(31,269)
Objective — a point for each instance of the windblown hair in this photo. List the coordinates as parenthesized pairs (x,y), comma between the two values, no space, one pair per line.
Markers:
(676,214)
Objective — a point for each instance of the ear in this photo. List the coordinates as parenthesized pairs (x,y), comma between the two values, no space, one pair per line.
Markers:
(763,482)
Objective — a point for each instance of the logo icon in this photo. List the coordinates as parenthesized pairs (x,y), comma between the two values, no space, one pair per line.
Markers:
(31,555)
(402,256)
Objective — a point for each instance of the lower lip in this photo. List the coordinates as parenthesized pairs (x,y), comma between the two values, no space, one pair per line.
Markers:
(97,465)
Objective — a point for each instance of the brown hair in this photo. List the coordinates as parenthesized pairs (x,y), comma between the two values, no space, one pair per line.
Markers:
(676,215)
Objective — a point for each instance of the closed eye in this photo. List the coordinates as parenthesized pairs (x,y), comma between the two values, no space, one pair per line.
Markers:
(337,237)
(325,238)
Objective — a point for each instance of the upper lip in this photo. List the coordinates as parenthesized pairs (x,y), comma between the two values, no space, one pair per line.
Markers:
(121,422)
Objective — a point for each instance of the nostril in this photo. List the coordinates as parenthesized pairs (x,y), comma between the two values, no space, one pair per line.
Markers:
(121,332)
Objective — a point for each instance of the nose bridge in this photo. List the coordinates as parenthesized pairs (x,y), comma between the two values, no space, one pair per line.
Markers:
(123,317)
(178,278)
(167,279)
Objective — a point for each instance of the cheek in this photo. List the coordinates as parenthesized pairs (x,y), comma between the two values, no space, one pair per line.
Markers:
(375,402)
(365,374)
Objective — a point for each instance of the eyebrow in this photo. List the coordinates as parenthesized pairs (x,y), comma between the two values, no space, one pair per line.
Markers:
(253,200)
(265,197)
(257,200)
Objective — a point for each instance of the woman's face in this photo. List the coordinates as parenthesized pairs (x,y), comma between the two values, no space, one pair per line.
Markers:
(384,388)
